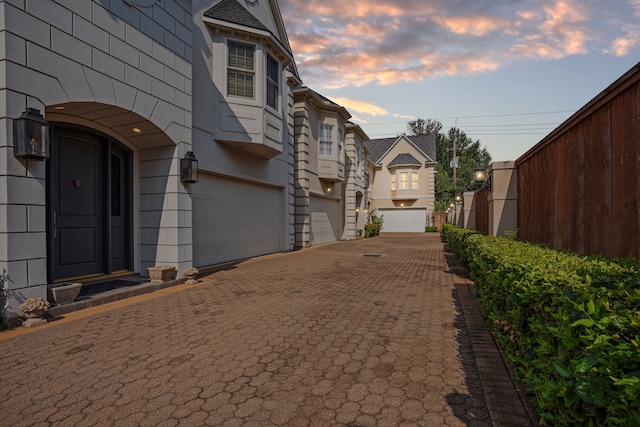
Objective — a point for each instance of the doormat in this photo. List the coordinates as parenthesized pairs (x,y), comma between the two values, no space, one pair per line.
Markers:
(89,289)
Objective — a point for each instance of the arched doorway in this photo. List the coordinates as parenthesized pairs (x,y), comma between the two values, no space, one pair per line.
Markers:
(89,205)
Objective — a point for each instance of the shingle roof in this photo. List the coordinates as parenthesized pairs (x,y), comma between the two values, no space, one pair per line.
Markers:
(325,99)
(404,159)
(378,147)
(233,12)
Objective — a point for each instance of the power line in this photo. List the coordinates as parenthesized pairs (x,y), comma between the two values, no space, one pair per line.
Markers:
(512,125)
(509,115)
(479,116)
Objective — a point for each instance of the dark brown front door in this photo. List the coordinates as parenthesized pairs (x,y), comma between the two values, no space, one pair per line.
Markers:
(89,205)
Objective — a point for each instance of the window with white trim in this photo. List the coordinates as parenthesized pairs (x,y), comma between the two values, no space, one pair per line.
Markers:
(273,82)
(403,180)
(340,142)
(394,185)
(414,180)
(325,140)
(240,69)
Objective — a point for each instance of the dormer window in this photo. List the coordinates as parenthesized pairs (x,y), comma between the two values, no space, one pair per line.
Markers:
(241,70)
(273,82)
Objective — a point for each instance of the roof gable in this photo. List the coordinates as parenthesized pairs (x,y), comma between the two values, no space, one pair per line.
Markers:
(322,102)
(404,159)
(263,18)
(233,12)
(425,144)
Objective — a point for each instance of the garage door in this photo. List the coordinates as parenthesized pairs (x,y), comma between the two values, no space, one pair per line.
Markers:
(325,220)
(235,220)
(403,220)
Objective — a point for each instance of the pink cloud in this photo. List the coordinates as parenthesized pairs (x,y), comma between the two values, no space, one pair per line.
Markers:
(622,45)
(361,107)
(394,41)
(472,25)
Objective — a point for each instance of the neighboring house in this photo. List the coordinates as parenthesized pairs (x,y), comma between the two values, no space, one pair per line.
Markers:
(402,181)
(356,181)
(320,129)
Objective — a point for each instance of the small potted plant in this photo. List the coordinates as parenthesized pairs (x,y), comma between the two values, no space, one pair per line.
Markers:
(191,274)
(33,309)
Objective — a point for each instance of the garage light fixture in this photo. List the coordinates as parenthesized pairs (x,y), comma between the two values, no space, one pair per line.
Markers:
(30,135)
(189,168)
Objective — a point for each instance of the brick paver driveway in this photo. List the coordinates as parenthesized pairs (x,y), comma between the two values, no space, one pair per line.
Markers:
(376,332)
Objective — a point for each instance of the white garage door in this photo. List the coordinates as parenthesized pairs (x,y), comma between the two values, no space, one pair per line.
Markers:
(325,220)
(403,220)
(235,220)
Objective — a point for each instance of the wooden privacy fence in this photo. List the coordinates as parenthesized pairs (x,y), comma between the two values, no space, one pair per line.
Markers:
(481,202)
(578,189)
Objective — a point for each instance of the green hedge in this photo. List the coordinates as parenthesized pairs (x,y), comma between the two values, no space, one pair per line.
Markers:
(371,230)
(569,323)
(430,229)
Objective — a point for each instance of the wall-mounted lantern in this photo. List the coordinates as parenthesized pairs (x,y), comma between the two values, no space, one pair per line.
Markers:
(31,135)
(480,177)
(479,174)
(189,168)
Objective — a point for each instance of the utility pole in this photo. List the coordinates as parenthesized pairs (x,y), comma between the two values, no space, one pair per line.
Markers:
(455,160)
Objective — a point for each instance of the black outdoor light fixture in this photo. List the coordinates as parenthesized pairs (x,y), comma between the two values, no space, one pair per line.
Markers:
(30,135)
(189,168)
(480,177)
(479,174)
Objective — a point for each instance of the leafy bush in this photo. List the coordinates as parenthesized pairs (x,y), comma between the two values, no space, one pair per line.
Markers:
(371,230)
(430,229)
(569,323)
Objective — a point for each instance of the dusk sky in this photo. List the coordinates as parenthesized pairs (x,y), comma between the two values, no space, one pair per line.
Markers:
(507,72)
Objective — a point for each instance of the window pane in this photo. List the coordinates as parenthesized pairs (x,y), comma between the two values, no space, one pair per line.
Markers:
(273,79)
(272,69)
(240,84)
(404,183)
(241,56)
(414,180)
(393,182)
(325,139)
(272,95)
(240,70)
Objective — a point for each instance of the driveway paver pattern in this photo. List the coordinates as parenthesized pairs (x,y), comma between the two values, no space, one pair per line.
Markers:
(374,332)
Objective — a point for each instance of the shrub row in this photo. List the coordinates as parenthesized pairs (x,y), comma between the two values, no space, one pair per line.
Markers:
(371,230)
(569,323)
